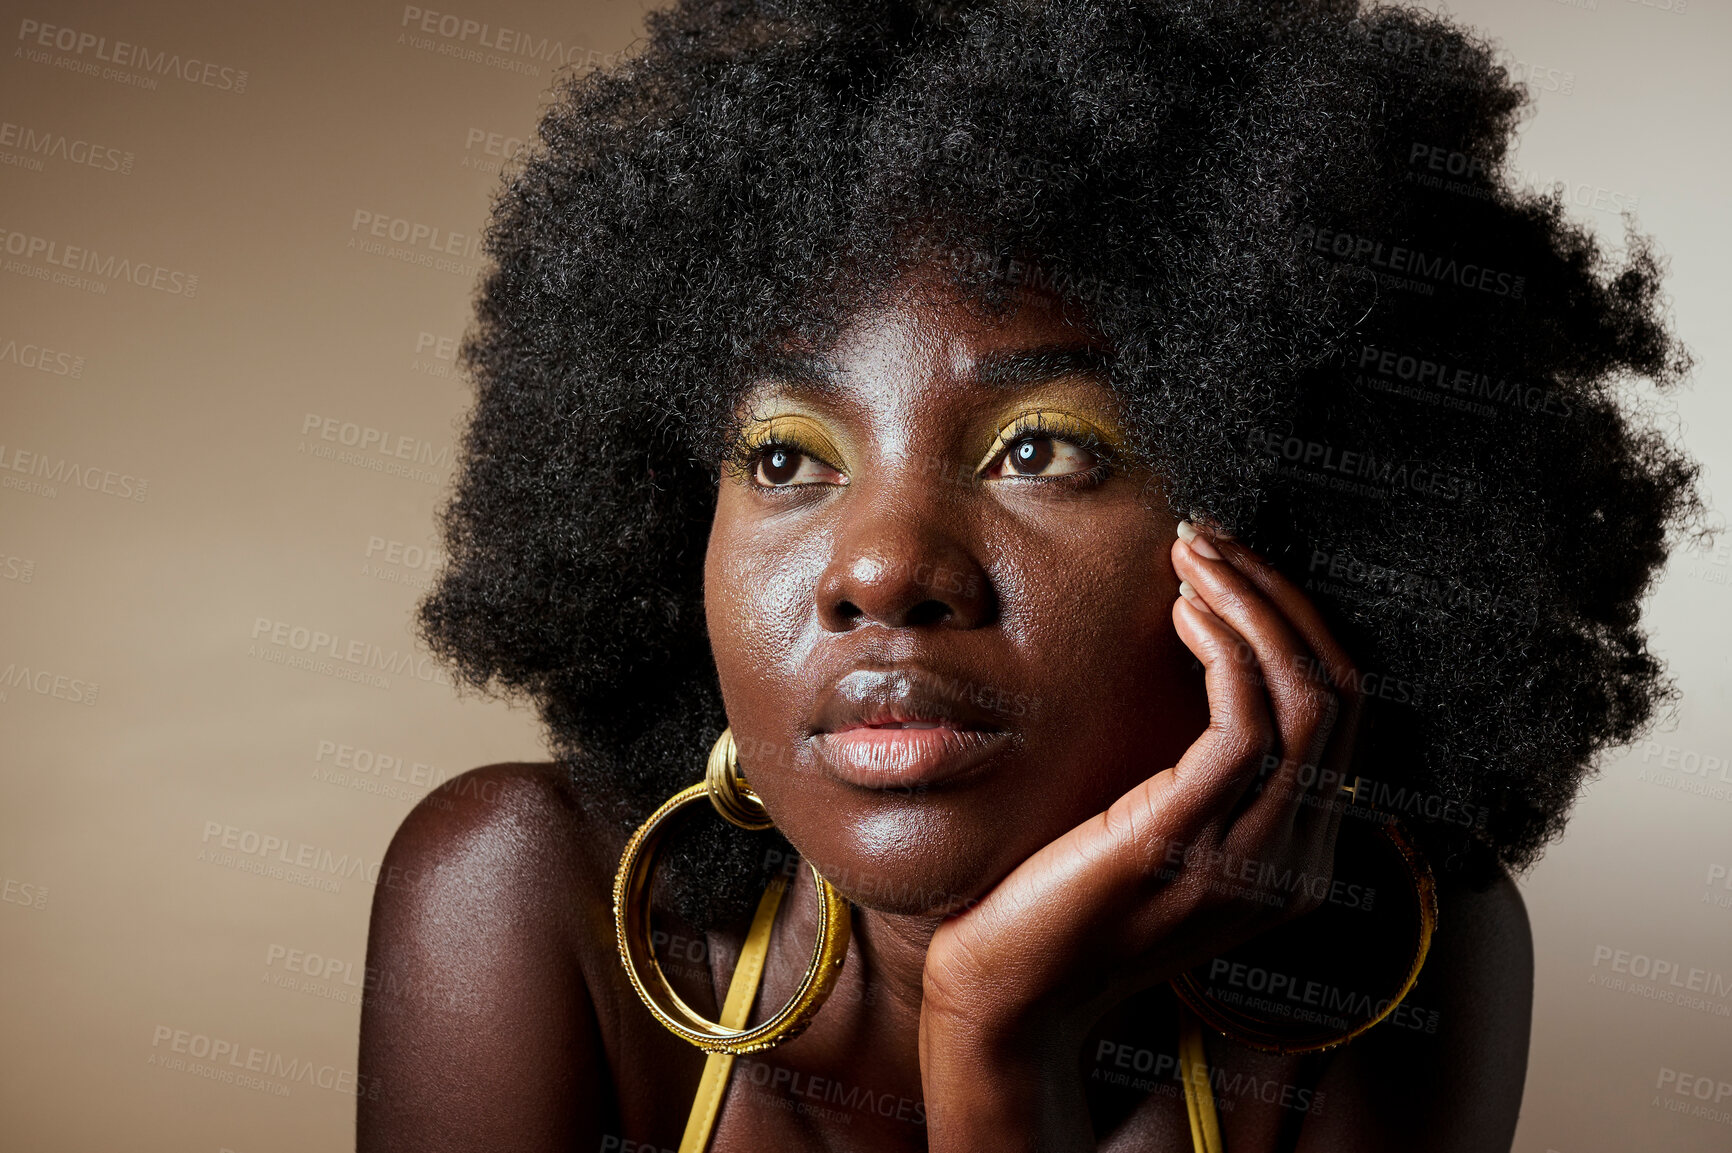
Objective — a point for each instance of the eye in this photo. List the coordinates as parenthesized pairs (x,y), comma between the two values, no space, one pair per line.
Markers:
(1049,444)
(1039,454)
(787,450)
(785,466)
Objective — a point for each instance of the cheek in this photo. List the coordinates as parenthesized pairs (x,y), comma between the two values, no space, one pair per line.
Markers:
(1085,596)
(1089,620)
(758,606)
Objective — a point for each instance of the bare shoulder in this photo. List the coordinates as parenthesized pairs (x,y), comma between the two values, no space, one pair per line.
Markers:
(1445,1072)
(493,825)
(1480,972)
(506,848)
(1494,918)
(478,1029)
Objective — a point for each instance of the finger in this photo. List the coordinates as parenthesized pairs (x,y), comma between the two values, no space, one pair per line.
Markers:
(1172,811)
(1215,771)
(1322,815)
(1291,600)
(1304,706)
(1293,803)
(1333,664)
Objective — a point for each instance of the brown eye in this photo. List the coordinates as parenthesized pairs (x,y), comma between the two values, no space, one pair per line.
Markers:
(784,466)
(1031,455)
(779,466)
(1040,455)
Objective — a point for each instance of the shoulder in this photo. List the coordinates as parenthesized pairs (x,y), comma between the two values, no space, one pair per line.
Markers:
(484,921)
(510,820)
(1445,1071)
(1480,969)
(1497,907)
(506,856)
(1487,936)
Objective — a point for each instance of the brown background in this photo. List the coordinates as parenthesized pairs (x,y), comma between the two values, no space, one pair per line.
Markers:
(176,842)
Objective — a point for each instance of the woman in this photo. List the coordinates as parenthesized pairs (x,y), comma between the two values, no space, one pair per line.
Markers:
(1112,470)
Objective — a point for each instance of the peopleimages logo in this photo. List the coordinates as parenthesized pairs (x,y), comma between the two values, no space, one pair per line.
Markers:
(47,683)
(222,843)
(104,266)
(40,358)
(462,31)
(50,471)
(98,49)
(1663,971)
(1356,470)
(229,1060)
(1496,394)
(34,146)
(364,660)
(1405,261)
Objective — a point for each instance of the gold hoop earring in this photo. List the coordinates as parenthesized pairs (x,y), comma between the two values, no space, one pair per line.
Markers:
(729,793)
(1253,994)
(734,799)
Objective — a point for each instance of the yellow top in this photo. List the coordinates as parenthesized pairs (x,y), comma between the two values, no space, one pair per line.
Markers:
(743,990)
(1199,1094)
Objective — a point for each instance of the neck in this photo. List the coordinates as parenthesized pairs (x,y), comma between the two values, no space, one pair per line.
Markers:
(892,948)
(875,1006)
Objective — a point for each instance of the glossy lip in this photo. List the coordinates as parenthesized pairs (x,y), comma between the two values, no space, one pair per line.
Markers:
(899,728)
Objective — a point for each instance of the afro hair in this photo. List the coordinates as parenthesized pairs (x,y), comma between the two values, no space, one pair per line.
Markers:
(1339,331)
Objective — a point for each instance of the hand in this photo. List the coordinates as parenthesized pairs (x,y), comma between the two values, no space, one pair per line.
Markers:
(1139,893)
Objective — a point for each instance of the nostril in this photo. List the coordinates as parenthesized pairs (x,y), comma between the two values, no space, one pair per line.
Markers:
(928,612)
(899,583)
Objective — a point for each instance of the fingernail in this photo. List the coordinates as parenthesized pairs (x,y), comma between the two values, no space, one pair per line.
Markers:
(1217,532)
(1190,594)
(1198,542)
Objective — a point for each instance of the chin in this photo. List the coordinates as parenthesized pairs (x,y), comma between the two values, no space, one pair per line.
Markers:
(918,854)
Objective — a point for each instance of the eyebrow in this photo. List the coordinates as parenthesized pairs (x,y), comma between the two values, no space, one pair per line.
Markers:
(1020,367)
(807,369)
(1000,368)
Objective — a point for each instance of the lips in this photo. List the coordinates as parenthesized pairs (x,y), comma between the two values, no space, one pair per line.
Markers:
(904,727)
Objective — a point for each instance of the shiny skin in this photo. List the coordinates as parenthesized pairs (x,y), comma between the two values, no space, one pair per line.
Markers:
(1011,941)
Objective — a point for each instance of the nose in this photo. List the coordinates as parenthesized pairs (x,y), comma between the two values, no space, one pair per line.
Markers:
(899,563)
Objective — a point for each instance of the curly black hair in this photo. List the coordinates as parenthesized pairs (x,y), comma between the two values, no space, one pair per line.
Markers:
(1339,331)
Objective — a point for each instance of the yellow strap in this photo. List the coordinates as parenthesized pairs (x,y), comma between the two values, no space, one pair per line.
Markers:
(1199,1094)
(742,991)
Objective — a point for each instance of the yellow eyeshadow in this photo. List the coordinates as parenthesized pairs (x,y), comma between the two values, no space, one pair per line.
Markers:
(795,430)
(1056,422)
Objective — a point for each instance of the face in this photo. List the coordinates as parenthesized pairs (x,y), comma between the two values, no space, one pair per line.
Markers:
(939,599)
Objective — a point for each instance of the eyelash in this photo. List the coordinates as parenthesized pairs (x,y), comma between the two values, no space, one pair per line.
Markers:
(747,456)
(1073,433)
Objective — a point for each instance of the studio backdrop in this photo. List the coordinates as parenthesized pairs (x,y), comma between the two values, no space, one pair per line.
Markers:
(239,246)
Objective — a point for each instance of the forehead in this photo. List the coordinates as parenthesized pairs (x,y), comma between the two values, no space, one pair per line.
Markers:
(929,325)
(925,339)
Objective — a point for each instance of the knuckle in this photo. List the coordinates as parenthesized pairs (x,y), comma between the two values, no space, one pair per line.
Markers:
(1248,742)
(1216,649)
(1230,652)
(1327,710)
(1232,604)
(1142,829)
(1312,701)
(1130,823)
